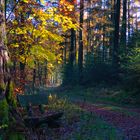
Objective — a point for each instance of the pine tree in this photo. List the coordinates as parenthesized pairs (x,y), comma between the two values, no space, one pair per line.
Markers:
(80,51)
(124,26)
(116,46)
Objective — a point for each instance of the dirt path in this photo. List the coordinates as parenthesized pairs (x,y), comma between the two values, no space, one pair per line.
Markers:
(130,125)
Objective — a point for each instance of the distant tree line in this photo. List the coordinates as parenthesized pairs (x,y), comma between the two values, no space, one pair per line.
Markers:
(104,48)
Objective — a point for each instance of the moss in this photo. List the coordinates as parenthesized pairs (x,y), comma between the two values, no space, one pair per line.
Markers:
(15,136)
(4,107)
(2,87)
(10,95)
(4,112)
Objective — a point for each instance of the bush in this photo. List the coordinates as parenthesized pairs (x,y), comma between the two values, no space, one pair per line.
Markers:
(93,73)
(100,73)
(70,75)
(132,77)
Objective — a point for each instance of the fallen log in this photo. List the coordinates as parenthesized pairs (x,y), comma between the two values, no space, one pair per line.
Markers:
(50,120)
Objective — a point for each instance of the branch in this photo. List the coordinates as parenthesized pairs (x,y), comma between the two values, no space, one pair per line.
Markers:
(12,10)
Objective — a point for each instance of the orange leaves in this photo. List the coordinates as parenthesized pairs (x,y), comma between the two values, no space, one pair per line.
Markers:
(70,2)
(35,33)
(67,2)
(18,90)
(67,7)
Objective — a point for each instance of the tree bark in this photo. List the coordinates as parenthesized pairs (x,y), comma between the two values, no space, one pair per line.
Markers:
(34,79)
(116,35)
(65,50)
(128,20)
(45,73)
(124,23)
(80,53)
(3,48)
(72,47)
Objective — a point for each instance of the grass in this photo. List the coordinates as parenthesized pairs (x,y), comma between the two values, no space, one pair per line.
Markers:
(107,95)
(91,127)
(108,98)
(84,125)
(76,124)
(15,136)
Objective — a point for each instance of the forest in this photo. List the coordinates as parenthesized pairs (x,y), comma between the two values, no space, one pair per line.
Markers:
(69,69)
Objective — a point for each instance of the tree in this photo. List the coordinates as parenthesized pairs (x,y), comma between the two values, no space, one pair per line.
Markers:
(116,46)
(72,47)
(124,27)
(35,36)
(4,58)
(80,51)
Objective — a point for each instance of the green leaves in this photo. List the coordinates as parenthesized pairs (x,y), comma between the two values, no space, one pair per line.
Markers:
(42,1)
(37,37)
(39,52)
(26,1)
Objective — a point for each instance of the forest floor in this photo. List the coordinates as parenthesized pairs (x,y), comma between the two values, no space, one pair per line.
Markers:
(127,120)
(92,114)
(125,117)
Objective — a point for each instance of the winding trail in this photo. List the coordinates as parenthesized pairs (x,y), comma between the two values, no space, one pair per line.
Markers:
(129,124)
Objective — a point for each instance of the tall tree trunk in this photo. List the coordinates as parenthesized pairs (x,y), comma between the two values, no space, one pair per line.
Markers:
(75,42)
(124,23)
(80,53)
(40,74)
(116,35)
(5,79)
(72,47)
(34,77)
(22,64)
(136,24)
(3,48)
(103,51)
(45,73)
(111,40)
(88,26)
(129,20)
(65,51)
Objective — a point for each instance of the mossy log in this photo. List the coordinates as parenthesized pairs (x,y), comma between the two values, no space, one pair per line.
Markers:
(50,120)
